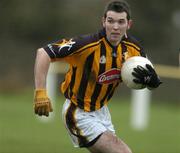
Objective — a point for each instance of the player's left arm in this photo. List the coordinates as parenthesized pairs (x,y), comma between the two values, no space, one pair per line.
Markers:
(147,76)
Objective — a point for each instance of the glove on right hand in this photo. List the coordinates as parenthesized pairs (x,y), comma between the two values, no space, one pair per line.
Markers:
(42,104)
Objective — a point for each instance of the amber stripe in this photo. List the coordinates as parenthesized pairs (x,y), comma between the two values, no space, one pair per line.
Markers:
(84,80)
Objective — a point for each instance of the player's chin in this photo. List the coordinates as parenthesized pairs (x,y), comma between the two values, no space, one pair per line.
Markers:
(115,41)
(115,38)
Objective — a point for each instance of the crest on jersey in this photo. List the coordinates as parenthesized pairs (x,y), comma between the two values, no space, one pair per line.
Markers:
(109,76)
(102,59)
(126,55)
(65,44)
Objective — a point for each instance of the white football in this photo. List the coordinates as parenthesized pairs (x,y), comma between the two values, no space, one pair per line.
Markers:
(127,69)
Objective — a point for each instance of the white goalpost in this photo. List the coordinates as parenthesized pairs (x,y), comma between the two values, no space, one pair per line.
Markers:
(140,99)
(140,105)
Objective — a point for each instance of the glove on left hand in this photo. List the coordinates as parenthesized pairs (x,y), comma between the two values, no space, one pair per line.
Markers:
(146,77)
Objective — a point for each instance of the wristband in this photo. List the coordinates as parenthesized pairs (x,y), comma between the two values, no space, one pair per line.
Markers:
(40,93)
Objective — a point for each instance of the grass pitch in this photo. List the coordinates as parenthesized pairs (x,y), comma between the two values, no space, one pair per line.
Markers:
(22,132)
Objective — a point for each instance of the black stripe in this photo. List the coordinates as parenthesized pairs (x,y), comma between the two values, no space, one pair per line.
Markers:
(114,63)
(112,92)
(68,93)
(70,121)
(133,46)
(97,89)
(110,86)
(93,141)
(124,49)
(107,93)
(84,80)
(72,81)
(91,46)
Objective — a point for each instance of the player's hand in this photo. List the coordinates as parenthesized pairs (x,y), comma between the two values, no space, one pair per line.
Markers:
(42,104)
(146,77)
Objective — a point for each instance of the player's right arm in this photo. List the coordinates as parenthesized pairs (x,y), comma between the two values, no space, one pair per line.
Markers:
(42,104)
(54,52)
(42,63)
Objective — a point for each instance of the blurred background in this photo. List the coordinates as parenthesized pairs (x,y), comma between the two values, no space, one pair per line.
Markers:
(28,25)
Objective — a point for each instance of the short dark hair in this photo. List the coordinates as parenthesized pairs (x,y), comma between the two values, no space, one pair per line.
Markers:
(118,6)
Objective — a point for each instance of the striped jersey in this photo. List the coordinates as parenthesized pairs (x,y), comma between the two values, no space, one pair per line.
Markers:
(95,67)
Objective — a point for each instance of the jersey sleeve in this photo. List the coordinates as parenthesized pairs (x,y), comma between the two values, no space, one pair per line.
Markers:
(65,47)
(61,48)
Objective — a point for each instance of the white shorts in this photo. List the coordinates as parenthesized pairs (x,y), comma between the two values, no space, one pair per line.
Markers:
(83,127)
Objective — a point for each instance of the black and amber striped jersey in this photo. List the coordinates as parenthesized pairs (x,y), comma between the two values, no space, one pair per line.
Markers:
(95,67)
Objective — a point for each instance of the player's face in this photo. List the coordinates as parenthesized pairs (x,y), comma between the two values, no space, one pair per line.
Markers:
(116,24)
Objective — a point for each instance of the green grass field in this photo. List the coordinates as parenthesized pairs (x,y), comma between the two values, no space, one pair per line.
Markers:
(22,132)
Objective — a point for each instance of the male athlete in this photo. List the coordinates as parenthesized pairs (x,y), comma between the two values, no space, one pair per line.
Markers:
(95,61)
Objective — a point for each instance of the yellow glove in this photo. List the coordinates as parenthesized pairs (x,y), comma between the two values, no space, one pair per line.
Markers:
(42,104)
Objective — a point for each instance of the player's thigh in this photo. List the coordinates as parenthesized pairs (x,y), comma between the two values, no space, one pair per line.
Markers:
(109,143)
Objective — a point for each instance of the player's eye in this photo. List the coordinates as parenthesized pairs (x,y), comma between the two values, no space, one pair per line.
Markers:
(121,21)
(110,21)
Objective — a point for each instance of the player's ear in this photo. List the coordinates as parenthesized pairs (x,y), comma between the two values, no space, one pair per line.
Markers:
(130,22)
